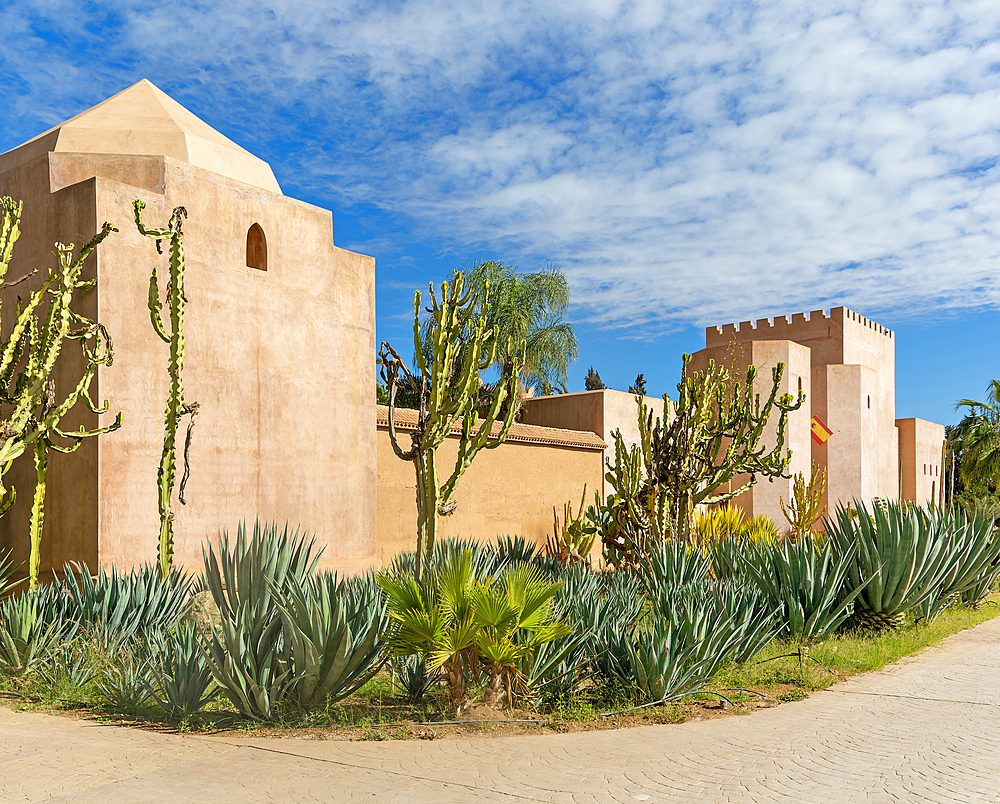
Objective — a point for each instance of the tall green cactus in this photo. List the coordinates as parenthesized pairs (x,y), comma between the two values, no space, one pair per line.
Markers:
(27,361)
(712,433)
(458,348)
(177,408)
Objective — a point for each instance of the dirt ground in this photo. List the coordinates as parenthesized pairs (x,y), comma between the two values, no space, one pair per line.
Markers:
(480,722)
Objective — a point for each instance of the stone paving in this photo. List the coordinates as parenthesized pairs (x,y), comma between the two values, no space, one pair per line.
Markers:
(924,730)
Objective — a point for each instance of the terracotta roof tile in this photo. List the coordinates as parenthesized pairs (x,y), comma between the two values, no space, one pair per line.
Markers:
(523,433)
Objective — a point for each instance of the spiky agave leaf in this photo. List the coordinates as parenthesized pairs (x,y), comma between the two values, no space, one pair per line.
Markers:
(806,582)
(899,559)
(975,564)
(181,681)
(257,564)
(329,652)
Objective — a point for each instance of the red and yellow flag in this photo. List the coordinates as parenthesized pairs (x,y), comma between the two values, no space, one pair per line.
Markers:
(820,431)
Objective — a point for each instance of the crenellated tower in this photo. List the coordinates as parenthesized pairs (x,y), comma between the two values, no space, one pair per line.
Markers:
(846,365)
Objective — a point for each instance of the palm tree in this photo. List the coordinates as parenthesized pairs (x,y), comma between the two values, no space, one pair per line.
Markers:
(529,307)
(976,440)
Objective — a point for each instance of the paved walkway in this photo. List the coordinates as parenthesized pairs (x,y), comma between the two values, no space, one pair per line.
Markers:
(924,730)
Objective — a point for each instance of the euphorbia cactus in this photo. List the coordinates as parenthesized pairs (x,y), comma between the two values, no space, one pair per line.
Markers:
(176,406)
(458,347)
(713,433)
(27,361)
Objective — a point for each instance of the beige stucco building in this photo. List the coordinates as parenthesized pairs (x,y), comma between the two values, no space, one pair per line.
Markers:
(845,364)
(280,331)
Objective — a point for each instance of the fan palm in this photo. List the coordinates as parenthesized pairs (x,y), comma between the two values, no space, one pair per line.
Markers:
(976,439)
(458,621)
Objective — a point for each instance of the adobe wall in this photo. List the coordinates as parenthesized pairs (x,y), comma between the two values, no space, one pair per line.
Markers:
(280,362)
(510,490)
(850,455)
(920,468)
(601,412)
(764,497)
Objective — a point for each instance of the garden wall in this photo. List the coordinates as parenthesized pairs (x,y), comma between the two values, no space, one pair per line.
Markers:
(510,490)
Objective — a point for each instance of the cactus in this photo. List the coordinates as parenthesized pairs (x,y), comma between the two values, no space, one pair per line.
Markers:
(574,536)
(177,408)
(27,361)
(806,507)
(458,347)
(712,434)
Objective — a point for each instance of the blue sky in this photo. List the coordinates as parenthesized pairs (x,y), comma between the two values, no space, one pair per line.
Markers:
(686,164)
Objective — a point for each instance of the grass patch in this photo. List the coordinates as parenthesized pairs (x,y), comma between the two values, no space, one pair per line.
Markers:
(849,652)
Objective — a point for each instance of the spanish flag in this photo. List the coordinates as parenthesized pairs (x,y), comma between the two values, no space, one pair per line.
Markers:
(820,431)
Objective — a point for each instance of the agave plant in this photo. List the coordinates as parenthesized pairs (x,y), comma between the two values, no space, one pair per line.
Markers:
(898,560)
(727,557)
(411,677)
(514,550)
(662,661)
(975,566)
(180,679)
(557,669)
(487,559)
(673,563)
(607,614)
(29,633)
(805,581)
(725,621)
(257,568)
(245,659)
(69,664)
(7,570)
(329,649)
(126,605)
(124,685)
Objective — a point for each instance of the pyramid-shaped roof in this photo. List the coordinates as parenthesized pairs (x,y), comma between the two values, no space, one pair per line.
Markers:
(144,120)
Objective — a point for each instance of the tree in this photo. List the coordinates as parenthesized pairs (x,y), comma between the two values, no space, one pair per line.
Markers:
(976,440)
(592,382)
(710,434)
(639,387)
(451,350)
(528,308)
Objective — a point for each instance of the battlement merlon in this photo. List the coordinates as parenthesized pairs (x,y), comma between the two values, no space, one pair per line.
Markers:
(818,324)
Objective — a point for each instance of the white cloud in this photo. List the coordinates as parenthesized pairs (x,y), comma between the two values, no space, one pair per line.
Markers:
(685,163)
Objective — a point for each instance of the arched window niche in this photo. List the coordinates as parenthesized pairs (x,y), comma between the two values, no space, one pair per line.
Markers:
(256,248)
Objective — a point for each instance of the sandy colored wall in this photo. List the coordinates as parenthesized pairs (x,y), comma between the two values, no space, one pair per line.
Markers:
(920,444)
(764,497)
(280,362)
(510,490)
(601,412)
